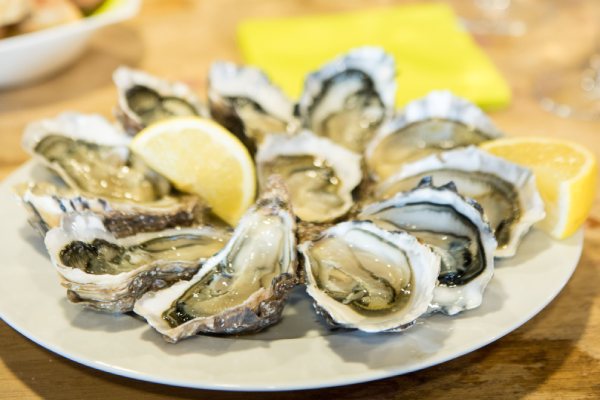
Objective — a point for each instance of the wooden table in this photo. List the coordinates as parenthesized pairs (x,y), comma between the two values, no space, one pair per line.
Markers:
(555,355)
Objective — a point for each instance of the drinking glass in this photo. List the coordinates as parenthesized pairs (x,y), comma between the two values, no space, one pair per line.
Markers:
(499,17)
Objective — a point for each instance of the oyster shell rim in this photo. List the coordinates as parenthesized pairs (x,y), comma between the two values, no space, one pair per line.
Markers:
(456,298)
(381,72)
(413,249)
(437,104)
(222,73)
(345,162)
(118,216)
(474,159)
(113,292)
(125,78)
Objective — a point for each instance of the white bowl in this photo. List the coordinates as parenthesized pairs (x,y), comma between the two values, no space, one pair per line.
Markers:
(30,56)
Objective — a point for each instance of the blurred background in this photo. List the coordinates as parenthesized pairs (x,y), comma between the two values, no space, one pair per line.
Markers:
(542,54)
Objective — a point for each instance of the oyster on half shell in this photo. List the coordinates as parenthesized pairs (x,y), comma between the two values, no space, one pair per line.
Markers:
(92,157)
(320,174)
(244,100)
(506,191)
(437,122)
(145,99)
(109,274)
(243,288)
(350,97)
(364,277)
(455,228)
(47,203)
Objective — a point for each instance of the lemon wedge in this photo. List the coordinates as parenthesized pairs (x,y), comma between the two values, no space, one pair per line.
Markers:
(565,173)
(199,156)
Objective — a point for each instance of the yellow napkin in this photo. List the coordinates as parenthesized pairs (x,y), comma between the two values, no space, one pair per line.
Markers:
(431,50)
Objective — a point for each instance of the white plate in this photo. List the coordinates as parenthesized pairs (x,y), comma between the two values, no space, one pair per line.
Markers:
(298,353)
(24,58)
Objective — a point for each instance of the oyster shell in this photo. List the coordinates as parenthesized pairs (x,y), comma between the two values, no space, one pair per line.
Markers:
(506,191)
(242,288)
(244,100)
(145,99)
(348,99)
(455,228)
(47,203)
(364,277)
(319,174)
(92,157)
(437,122)
(109,274)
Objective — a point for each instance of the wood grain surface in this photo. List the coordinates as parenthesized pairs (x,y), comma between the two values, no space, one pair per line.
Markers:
(554,356)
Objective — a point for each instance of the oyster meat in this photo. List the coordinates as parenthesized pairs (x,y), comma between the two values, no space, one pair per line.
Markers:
(145,99)
(350,97)
(243,100)
(455,228)
(364,277)
(243,288)
(91,156)
(109,274)
(319,174)
(506,191)
(437,122)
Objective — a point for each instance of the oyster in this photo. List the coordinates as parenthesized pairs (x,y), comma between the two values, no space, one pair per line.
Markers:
(319,174)
(455,228)
(364,277)
(242,288)
(109,274)
(348,99)
(46,203)
(243,100)
(506,191)
(92,158)
(437,122)
(145,99)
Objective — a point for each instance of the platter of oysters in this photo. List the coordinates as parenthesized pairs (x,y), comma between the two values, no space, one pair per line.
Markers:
(381,241)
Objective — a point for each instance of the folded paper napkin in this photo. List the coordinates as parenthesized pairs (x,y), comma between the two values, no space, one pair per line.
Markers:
(431,49)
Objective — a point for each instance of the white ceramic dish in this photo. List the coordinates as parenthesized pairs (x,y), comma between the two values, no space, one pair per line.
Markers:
(298,353)
(30,56)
